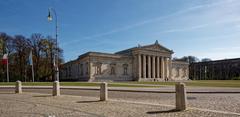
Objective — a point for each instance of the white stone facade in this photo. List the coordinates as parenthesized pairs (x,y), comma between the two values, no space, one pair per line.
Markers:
(142,63)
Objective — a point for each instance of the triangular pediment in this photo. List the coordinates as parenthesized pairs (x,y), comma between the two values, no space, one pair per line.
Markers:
(153,47)
(156,47)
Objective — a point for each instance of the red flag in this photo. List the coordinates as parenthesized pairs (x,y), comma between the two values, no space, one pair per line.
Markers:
(5,59)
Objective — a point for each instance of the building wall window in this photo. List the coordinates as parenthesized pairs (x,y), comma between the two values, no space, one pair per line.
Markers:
(125,69)
(98,68)
(69,71)
(112,67)
(78,69)
(178,72)
(87,70)
(81,69)
(66,71)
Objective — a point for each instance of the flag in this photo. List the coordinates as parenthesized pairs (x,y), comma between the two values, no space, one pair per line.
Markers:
(54,63)
(30,61)
(30,58)
(5,59)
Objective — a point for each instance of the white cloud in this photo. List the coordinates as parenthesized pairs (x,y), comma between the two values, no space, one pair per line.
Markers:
(131,26)
(223,21)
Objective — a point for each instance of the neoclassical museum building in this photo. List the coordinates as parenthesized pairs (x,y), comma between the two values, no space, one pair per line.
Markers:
(142,63)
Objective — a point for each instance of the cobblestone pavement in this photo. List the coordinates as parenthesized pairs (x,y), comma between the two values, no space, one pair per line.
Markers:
(44,105)
(229,102)
(221,102)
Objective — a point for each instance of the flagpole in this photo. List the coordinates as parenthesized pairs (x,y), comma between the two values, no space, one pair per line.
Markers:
(32,73)
(7,67)
(7,72)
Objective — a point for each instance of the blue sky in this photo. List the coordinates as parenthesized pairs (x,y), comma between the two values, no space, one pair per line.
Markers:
(202,28)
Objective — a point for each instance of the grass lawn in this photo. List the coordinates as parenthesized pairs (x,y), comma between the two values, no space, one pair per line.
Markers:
(203,83)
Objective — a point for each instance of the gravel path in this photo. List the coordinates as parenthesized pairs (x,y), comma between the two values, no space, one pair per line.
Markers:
(222,102)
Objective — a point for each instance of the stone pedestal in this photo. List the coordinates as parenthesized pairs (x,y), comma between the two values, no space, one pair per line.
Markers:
(103,91)
(56,88)
(18,88)
(181,100)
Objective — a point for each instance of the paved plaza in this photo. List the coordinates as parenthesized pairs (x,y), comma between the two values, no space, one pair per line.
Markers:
(40,103)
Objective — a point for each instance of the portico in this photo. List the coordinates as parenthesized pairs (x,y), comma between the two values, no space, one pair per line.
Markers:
(153,62)
(150,66)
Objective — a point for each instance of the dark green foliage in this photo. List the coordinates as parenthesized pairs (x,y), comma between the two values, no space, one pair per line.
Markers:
(189,59)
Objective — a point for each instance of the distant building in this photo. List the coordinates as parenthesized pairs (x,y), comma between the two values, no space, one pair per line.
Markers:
(143,63)
(215,70)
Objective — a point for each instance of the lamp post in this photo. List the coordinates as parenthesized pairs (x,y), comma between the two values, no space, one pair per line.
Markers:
(50,18)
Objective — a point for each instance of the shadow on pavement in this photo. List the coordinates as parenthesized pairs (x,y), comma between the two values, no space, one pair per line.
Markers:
(88,101)
(6,93)
(191,98)
(42,96)
(164,111)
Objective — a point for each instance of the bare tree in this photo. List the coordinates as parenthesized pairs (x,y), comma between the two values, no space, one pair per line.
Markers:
(19,47)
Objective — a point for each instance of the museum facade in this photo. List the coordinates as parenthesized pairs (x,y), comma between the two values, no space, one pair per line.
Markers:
(142,63)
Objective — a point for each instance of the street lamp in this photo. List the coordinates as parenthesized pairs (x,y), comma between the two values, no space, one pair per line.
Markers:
(50,18)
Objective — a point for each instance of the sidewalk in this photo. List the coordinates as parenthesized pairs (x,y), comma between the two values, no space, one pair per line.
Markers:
(42,105)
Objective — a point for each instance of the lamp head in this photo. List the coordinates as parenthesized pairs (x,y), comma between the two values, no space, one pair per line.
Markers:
(49,15)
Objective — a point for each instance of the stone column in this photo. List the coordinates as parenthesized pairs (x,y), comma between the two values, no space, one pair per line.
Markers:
(103,92)
(149,66)
(181,97)
(158,65)
(162,68)
(139,66)
(144,66)
(170,68)
(166,68)
(153,67)
(18,88)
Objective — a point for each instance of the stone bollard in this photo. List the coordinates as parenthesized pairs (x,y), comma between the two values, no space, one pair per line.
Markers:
(56,88)
(18,88)
(181,100)
(103,91)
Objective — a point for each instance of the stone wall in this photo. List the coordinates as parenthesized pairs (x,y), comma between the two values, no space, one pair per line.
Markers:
(76,70)
(180,71)
(111,69)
